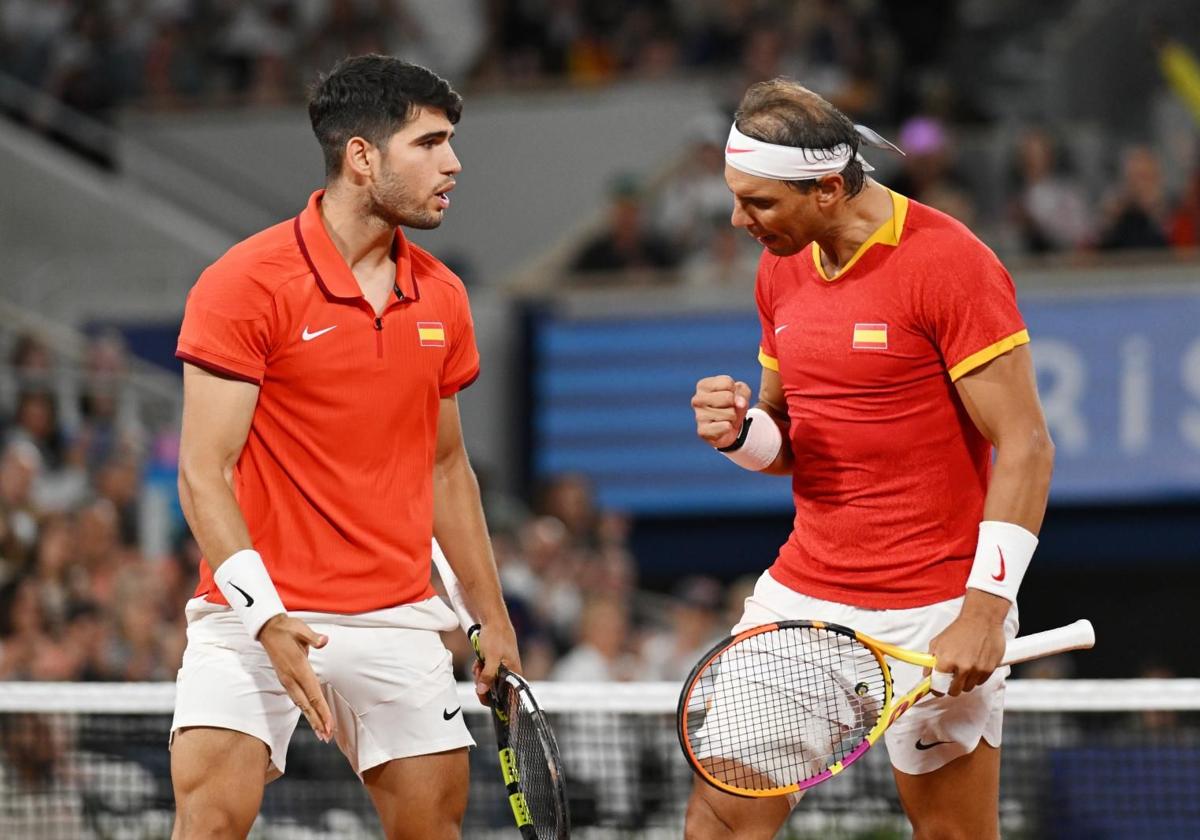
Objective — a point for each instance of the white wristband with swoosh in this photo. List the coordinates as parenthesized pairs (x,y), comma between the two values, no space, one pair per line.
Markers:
(244,582)
(1002,556)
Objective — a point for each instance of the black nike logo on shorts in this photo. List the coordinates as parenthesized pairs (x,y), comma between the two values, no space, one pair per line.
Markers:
(249,600)
(929,746)
(448,715)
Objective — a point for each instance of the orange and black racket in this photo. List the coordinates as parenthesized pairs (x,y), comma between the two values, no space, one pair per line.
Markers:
(782,707)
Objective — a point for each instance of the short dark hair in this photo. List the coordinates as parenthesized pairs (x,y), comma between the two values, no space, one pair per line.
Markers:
(373,96)
(783,112)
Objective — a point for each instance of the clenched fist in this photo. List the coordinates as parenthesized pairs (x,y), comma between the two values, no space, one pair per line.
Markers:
(721,405)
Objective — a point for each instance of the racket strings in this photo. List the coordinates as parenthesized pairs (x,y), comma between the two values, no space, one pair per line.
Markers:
(780,707)
(538,769)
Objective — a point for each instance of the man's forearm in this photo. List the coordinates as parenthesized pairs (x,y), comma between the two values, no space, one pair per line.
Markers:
(1020,483)
(1017,496)
(460,528)
(212,513)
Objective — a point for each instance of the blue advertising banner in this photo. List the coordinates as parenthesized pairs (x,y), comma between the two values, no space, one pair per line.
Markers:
(1119,375)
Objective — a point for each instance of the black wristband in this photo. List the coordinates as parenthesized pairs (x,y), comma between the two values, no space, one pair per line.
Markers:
(741,438)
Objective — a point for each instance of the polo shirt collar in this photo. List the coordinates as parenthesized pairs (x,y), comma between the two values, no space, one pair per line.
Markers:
(330,267)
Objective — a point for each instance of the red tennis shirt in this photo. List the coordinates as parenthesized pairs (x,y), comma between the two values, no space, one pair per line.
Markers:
(336,477)
(890,472)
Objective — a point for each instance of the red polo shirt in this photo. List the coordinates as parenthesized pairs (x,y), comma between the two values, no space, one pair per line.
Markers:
(336,477)
(890,472)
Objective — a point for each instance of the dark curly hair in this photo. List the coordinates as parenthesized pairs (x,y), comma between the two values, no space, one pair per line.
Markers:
(372,97)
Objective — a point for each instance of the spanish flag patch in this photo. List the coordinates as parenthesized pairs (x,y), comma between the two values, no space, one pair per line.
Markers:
(431,333)
(870,337)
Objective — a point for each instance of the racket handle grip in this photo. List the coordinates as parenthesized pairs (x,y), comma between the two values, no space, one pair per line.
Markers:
(1076,636)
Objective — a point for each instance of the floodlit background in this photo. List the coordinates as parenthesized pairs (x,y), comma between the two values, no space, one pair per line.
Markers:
(141,138)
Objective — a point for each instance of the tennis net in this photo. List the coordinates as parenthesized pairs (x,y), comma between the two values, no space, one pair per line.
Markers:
(1082,759)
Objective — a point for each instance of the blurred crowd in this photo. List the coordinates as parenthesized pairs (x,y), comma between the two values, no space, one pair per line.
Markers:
(79,600)
(96,54)
(84,596)
(677,229)
(572,587)
(888,65)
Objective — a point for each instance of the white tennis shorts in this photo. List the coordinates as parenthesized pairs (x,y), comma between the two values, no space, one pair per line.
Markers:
(936,730)
(386,675)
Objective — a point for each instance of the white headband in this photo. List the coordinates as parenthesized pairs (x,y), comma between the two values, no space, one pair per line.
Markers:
(792,163)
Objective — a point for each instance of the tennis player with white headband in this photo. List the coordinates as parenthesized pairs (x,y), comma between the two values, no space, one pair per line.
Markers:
(894,364)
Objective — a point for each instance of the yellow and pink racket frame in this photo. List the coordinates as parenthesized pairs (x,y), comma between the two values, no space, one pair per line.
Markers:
(891,711)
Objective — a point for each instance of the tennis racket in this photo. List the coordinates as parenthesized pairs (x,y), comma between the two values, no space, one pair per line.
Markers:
(529,760)
(784,706)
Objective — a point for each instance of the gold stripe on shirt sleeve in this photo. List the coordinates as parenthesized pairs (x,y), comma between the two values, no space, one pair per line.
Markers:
(987,354)
(769,362)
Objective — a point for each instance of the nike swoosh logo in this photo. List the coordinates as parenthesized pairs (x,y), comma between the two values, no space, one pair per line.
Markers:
(249,600)
(780,329)
(923,747)
(450,715)
(309,336)
(730,150)
(1000,576)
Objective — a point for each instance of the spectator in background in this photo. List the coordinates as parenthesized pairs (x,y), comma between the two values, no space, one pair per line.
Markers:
(37,782)
(54,567)
(87,634)
(693,203)
(552,565)
(1185,219)
(627,243)
(602,653)
(118,481)
(1135,213)
(726,260)
(25,644)
(99,550)
(1049,206)
(30,368)
(36,421)
(928,169)
(568,497)
(258,45)
(109,410)
(841,46)
(20,468)
(696,624)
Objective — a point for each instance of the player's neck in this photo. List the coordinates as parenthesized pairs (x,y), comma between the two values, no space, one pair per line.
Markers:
(363,239)
(859,217)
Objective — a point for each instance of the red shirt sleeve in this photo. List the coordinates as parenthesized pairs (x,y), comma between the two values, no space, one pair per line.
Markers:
(227,326)
(768,356)
(461,365)
(970,307)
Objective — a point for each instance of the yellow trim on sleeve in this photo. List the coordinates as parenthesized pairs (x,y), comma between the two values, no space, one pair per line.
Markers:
(769,362)
(987,354)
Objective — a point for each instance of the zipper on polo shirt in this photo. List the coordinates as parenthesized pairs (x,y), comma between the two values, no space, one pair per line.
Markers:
(379,336)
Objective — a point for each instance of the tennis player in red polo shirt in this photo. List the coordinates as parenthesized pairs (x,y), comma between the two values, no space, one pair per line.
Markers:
(894,359)
(322,452)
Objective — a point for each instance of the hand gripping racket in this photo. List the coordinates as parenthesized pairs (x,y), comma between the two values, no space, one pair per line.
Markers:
(529,758)
(785,706)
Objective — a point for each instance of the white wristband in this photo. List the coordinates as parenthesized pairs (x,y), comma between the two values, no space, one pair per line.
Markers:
(244,582)
(758,443)
(1001,558)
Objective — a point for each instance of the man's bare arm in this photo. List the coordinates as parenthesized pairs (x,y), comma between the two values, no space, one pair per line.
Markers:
(217,413)
(216,420)
(459,526)
(1001,399)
